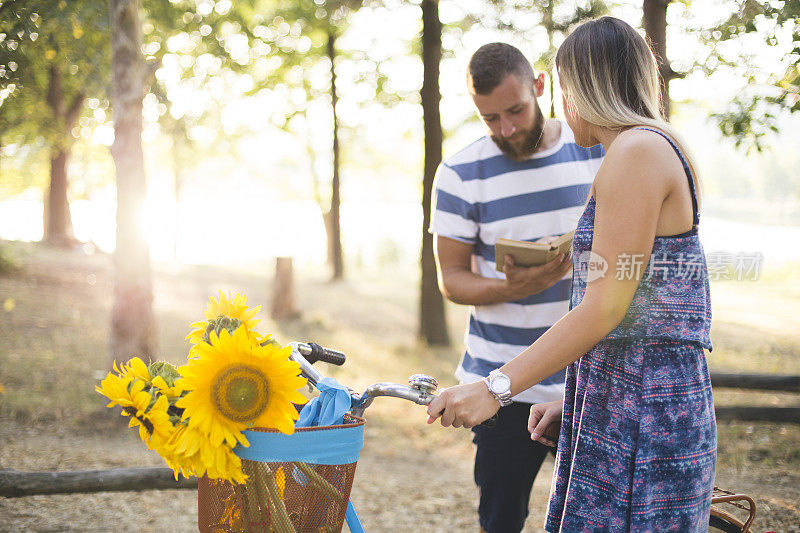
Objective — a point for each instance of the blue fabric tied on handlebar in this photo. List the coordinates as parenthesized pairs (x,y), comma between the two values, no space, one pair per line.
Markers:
(329,407)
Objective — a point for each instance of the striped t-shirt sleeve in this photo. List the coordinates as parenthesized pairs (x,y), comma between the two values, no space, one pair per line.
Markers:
(452,213)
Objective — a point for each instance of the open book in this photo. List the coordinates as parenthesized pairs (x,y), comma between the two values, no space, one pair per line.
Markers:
(531,253)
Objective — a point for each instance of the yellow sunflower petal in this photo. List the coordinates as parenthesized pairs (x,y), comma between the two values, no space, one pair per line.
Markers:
(139,369)
(234,384)
(231,307)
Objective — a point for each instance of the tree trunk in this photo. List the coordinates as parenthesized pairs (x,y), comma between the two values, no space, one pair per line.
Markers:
(283,290)
(57,219)
(547,22)
(132,321)
(432,323)
(654,22)
(334,227)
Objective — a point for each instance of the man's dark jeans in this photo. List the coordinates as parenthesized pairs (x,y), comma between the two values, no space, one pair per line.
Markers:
(506,463)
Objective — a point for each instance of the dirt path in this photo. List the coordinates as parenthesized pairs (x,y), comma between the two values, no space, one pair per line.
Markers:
(402,484)
(410,477)
(398,487)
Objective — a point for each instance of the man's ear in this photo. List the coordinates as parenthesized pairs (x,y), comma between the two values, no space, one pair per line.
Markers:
(538,85)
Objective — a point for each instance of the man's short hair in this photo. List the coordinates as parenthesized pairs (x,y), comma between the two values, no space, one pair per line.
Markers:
(492,62)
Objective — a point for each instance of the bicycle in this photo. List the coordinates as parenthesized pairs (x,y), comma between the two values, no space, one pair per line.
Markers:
(319,489)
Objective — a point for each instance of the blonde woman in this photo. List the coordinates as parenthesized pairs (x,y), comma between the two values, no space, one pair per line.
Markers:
(637,443)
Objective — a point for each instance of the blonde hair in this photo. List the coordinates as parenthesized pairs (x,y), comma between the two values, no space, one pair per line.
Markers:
(610,78)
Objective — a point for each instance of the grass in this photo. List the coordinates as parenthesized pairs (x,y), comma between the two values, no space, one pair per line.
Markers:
(55,348)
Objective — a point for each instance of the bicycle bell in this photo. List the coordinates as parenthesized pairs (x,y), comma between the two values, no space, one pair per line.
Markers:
(423,383)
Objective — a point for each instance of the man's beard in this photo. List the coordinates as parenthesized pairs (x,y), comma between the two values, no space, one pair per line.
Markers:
(528,143)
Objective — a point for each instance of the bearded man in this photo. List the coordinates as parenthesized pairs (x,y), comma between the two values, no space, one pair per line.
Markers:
(526,180)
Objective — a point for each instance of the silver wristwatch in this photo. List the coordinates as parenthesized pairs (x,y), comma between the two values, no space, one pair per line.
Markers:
(500,386)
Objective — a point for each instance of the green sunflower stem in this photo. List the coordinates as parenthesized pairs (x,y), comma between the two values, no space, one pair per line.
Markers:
(280,517)
(319,483)
(251,509)
(252,497)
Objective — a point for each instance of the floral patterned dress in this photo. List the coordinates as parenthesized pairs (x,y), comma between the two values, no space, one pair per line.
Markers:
(637,449)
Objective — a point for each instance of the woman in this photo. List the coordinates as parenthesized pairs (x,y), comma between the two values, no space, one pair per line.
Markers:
(637,446)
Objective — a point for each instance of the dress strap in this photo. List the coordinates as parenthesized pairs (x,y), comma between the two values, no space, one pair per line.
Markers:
(695,210)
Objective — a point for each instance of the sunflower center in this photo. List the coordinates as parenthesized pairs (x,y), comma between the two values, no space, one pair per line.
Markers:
(146,424)
(240,392)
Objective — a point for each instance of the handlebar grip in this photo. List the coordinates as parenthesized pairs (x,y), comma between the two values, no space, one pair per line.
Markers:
(326,355)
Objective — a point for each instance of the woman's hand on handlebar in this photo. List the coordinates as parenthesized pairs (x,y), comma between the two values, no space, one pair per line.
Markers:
(544,422)
(463,405)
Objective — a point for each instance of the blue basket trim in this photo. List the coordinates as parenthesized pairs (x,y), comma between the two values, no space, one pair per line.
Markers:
(338,446)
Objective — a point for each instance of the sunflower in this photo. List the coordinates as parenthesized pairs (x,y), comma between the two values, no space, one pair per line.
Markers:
(164,376)
(115,387)
(182,450)
(136,369)
(133,370)
(234,384)
(236,312)
(222,463)
(149,413)
(153,421)
(189,450)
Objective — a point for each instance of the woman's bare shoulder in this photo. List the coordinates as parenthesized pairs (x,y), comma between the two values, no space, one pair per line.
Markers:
(638,144)
(639,158)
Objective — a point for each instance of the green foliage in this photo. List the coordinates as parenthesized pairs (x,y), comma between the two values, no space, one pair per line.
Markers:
(755,111)
(46,46)
(249,48)
(24,166)
(556,17)
(45,42)
(748,119)
(304,55)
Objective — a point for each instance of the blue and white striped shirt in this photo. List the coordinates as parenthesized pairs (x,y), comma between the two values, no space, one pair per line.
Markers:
(481,195)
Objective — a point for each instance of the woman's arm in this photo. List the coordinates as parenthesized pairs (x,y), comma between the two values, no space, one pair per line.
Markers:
(630,189)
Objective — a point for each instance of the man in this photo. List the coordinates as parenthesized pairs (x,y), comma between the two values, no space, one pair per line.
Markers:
(526,180)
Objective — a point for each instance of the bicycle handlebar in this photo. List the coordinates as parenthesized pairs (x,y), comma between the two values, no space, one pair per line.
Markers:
(420,390)
(306,370)
(313,352)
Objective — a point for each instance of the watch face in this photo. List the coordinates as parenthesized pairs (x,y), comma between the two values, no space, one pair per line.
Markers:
(500,384)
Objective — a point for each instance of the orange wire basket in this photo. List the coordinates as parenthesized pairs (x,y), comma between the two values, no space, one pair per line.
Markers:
(305,489)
